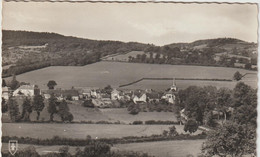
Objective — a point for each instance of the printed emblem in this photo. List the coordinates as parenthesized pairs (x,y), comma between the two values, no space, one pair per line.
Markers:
(13,146)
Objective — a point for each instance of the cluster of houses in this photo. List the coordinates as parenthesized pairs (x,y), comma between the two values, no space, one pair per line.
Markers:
(98,96)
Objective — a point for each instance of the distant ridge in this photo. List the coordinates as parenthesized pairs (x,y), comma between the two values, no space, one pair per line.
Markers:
(24,51)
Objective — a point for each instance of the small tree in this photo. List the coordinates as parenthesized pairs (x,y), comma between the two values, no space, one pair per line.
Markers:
(51,84)
(237,76)
(4,106)
(173,131)
(14,83)
(64,151)
(64,112)
(27,109)
(88,103)
(13,110)
(52,106)
(108,89)
(38,105)
(191,126)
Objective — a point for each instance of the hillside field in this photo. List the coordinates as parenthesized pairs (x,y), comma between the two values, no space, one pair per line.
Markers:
(102,74)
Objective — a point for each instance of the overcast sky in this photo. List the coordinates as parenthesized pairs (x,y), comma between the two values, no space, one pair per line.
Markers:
(147,23)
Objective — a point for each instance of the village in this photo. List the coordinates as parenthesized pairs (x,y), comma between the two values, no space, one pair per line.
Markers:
(102,98)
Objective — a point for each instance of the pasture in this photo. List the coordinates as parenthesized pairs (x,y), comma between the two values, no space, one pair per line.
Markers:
(80,131)
(180,148)
(94,114)
(102,74)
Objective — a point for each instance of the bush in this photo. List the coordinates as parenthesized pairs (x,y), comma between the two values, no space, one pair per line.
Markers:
(159,122)
(88,103)
(137,122)
(191,126)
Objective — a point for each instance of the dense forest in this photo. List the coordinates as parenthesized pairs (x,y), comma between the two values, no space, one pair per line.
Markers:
(27,51)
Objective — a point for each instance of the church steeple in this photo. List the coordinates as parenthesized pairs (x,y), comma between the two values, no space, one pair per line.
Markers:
(173,87)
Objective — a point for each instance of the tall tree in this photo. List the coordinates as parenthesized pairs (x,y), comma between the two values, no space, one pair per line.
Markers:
(4,106)
(14,83)
(38,105)
(241,94)
(3,83)
(230,139)
(51,84)
(224,101)
(13,109)
(52,106)
(64,112)
(236,137)
(27,109)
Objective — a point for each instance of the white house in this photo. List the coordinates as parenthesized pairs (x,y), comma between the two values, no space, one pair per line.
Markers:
(5,93)
(169,97)
(115,94)
(25,90)
(139,96)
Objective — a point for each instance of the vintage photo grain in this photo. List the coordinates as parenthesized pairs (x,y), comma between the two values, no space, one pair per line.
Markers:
(129,79)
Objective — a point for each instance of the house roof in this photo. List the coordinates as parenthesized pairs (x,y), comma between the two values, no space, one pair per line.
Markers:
(154,95)
(5,89)
(70,92)
(29,87)
(104,95)
(56,92)
(138,93)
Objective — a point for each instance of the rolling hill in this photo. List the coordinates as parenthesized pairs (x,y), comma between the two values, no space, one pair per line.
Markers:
(24,51)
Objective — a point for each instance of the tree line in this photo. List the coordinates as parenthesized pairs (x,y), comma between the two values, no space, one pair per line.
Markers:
(60,50)
(230,113)
(60,108)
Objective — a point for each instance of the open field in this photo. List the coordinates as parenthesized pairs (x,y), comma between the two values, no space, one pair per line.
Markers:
(79,131)
(94,114)
(180,148)
(115,73)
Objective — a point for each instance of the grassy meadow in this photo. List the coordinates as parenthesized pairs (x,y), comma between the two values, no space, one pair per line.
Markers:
(80,131)
(81,113)
(102,74)
(179,148)
(163,148)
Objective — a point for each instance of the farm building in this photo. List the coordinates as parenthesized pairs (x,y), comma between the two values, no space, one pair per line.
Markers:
(169,96)
(6,92)
(70,94)
(117,95)
(56,92)
(26,90)
(139,96)
(61,94)
(154,96)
